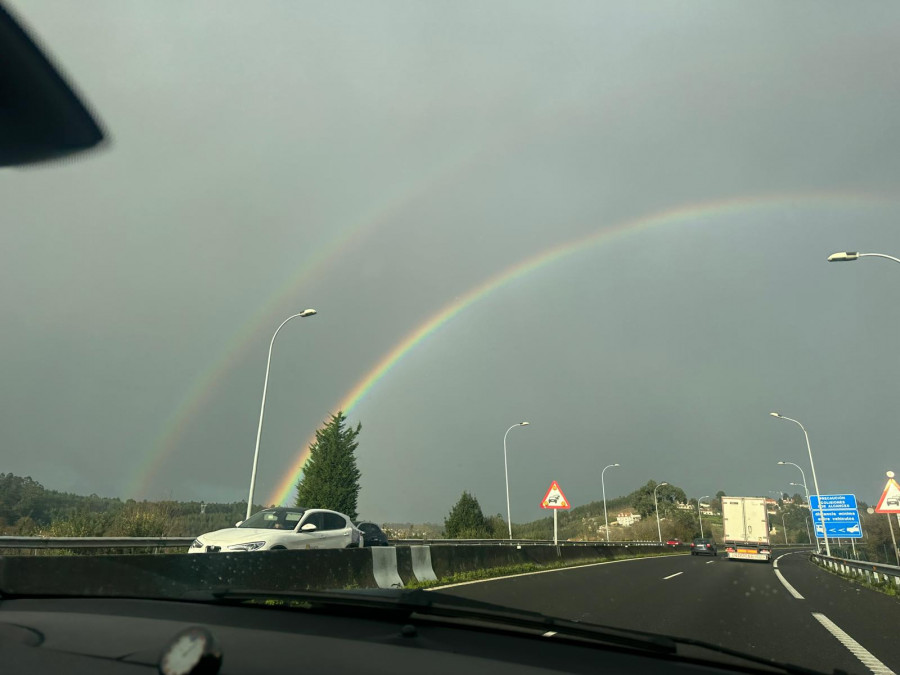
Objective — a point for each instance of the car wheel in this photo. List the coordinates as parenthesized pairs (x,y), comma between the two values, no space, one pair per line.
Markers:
(278,548)
(352,545)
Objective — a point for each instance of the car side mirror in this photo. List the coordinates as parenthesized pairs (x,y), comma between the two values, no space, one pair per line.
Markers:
(309,527)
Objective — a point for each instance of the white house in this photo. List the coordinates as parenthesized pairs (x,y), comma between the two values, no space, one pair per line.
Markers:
(627,518)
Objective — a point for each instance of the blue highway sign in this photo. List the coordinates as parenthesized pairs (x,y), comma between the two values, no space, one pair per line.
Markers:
(841,516)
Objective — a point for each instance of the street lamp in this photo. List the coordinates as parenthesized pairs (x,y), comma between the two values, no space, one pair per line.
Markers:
(700,514)
(804,487)
(815,480)
(506,471)
(262,407)
(783,463)
(784,527)
(603,483)
(849,256)
(656,504)
(806,520)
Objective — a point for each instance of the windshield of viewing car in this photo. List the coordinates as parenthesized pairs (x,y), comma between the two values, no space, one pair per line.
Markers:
(277,520)
(549,273)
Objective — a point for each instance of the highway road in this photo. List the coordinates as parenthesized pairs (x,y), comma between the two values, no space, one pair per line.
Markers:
(822,622)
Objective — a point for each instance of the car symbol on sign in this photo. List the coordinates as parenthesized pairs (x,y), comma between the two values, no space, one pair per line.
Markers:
(553,500)
(892,501)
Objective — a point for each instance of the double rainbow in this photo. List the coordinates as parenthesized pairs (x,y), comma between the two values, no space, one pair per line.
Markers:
(683,215)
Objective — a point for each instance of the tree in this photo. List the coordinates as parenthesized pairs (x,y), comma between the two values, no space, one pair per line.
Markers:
(330,479)
(642,498)
(466,521)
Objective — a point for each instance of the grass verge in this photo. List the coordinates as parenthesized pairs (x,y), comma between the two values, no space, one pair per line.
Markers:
(524,568)
(885,587)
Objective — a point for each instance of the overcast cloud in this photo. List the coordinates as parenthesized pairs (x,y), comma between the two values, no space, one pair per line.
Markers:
(443,142)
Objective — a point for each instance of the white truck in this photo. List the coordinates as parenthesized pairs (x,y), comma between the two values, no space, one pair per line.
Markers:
(746,524)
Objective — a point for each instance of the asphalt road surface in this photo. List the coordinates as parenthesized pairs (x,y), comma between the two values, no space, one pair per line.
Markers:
(833,624)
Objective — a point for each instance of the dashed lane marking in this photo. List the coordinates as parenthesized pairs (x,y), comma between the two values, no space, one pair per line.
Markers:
(860,652)
(672,575)
(710,562)
(549,633)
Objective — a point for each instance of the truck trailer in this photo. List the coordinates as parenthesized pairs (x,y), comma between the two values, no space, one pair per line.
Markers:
(746,525)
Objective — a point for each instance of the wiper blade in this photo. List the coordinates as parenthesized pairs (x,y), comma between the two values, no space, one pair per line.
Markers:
(418,603)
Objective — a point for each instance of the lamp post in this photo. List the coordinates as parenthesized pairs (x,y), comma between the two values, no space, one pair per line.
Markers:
(805,520)
(815,480)
(783,463)
(784,527)
(603,483)
(506,472)
(656,505)
(700,514)
(849,256)
(262,407)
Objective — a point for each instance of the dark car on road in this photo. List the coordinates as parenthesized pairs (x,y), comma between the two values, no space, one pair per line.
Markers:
(704,547)
(372,534)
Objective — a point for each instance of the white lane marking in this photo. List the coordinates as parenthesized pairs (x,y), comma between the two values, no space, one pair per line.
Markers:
(860,652)
(672,575)
(710,562)
(790,589)
(550,633)
(555,569)
(784,582)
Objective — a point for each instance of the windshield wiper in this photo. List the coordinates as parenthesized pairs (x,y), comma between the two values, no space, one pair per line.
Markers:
(419,604)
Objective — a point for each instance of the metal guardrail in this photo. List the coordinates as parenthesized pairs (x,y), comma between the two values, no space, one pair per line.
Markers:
(515,542)
(36,543)
(872,572)
(40,543)
(94,542)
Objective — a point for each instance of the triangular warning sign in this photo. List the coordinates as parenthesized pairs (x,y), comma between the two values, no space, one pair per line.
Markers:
(890,498)
(555,499)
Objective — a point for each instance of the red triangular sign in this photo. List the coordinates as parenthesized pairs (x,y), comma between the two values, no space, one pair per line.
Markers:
(555,499)
(890,498)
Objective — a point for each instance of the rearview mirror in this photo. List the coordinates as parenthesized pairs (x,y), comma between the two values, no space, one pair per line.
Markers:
(309,527)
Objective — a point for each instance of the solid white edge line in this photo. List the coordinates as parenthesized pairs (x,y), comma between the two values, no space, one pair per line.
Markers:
(860,652)
(672,575)
(556,569)
(784,582)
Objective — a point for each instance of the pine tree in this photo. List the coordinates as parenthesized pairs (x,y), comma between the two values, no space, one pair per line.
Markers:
(330,479)
(466,520)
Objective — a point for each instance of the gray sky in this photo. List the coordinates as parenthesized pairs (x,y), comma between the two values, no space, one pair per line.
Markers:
(377,161)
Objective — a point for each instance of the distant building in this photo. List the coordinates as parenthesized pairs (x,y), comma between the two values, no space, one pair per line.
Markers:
(627,518)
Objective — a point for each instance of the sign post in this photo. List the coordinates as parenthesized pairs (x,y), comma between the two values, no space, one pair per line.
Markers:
(555,500)
(888,504)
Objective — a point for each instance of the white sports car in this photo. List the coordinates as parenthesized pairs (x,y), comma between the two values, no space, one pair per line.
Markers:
(282,528)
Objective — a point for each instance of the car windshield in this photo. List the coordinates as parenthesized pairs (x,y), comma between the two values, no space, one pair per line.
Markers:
(533,285)
(277,519)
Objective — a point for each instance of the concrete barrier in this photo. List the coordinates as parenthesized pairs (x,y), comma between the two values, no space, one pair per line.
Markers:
(421,563)
(384,567)
(180,575)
